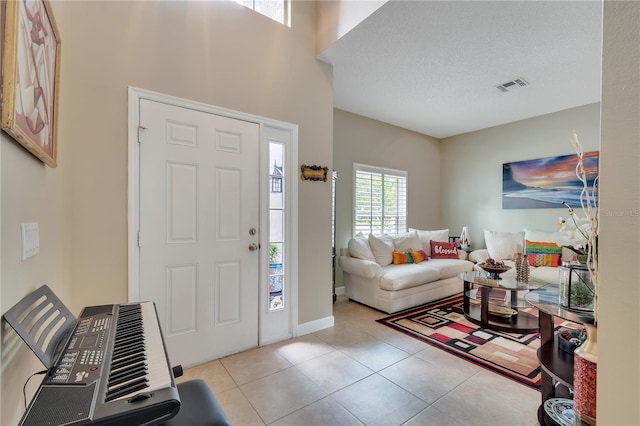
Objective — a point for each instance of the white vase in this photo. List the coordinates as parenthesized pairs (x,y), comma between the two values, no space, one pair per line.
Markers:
(465,242)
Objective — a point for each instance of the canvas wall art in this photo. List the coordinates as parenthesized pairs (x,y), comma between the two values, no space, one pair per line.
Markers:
(31,70)
(546,182)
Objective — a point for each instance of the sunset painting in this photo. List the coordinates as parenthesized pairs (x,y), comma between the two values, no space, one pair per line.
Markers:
(546,182)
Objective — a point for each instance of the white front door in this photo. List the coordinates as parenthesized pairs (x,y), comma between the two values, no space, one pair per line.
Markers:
(199,235)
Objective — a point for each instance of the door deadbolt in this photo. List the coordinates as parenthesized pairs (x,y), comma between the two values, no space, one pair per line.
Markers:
(252,231)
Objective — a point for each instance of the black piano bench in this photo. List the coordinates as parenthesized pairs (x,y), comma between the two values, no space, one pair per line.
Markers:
(198,406)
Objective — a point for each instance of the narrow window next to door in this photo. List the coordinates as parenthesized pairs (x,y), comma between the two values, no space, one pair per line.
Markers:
(276,227)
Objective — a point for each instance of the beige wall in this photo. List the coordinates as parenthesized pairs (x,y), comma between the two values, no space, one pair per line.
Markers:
(214,52)
(619,243)
(337,18)
(358,139)
(31,192)
(472,169)
(218,53)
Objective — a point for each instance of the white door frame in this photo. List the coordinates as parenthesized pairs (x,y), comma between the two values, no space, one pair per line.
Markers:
(133,207)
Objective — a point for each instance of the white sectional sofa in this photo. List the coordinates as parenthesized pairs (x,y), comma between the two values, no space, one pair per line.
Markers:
(371,277)
(503,245)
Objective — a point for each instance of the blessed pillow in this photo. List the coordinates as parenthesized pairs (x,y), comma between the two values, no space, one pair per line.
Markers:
(400,258)
(418,256)
(502,245)
(407,241)
(443,250)
(542,253)
(427,236)
(382,248)
(359,247)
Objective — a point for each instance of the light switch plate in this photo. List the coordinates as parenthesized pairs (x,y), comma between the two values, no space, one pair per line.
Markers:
(30,240)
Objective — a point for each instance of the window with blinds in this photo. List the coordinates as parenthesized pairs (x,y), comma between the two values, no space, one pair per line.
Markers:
(380,200)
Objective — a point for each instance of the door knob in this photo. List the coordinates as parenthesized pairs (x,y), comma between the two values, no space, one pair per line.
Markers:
(253,247)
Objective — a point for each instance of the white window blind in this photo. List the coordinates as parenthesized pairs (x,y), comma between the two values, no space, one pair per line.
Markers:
(380,200)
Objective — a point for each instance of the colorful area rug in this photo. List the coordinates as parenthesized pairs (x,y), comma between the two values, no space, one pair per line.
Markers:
(443,325)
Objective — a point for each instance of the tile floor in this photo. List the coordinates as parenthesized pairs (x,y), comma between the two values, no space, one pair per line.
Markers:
(360,372)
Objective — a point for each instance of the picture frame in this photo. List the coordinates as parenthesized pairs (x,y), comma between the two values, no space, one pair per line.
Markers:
(546,182)
(314,173)
(31,76)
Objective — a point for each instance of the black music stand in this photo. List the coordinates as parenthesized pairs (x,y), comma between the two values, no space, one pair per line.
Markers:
(43,322)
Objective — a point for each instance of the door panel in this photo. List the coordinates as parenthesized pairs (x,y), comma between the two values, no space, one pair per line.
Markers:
(198,201)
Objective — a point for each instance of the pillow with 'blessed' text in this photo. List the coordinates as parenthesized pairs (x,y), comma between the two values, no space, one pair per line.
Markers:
(443,250)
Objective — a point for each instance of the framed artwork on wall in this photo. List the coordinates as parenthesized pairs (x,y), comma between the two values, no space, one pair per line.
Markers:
(546,182)
(316,173)
(30,79)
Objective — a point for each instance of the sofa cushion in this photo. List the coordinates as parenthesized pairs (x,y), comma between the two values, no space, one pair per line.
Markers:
(502,245)
(382,248)
(407,241)
(479,256)
(545,273)
(427,236)
(449,268)
(397,277)
(359,247)
(443,250)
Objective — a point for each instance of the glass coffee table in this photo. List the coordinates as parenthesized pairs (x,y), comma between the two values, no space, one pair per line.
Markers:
(496,304)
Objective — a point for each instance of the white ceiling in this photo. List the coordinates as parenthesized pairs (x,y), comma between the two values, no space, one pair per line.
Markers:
(433,66)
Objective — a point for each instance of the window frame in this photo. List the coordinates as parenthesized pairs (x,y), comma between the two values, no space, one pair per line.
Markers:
(286,5)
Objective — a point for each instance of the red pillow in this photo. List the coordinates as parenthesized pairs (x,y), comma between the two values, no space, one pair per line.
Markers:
(443,250)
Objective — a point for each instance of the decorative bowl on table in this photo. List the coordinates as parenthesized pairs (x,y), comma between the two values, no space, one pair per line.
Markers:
(569,339)
(494,268)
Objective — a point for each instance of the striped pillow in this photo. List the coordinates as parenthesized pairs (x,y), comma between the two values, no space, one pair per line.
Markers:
(400,257)
(418,256)
(542,253)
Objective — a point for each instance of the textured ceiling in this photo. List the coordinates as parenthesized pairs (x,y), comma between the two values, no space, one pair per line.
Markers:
(433,67)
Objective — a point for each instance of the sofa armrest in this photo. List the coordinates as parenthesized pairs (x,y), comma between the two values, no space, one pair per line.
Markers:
(479,256)
(360,267)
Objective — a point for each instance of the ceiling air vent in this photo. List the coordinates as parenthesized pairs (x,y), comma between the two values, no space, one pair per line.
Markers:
(510,85)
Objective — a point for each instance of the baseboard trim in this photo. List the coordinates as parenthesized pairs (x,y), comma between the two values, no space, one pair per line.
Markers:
(340,290)
(316,325)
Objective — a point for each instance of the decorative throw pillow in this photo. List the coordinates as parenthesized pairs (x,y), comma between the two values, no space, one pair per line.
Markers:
(359,247)
(502,245)
(400,258)
(427,236)
(407,241)
(542,253)
(418,256)
(560,238)
(443,250)
(382,248)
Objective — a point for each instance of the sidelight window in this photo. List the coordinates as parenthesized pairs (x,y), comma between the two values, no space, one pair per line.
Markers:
(277,227)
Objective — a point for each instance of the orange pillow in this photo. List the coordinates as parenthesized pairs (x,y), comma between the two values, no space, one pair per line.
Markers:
(418,256)
(400,257)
